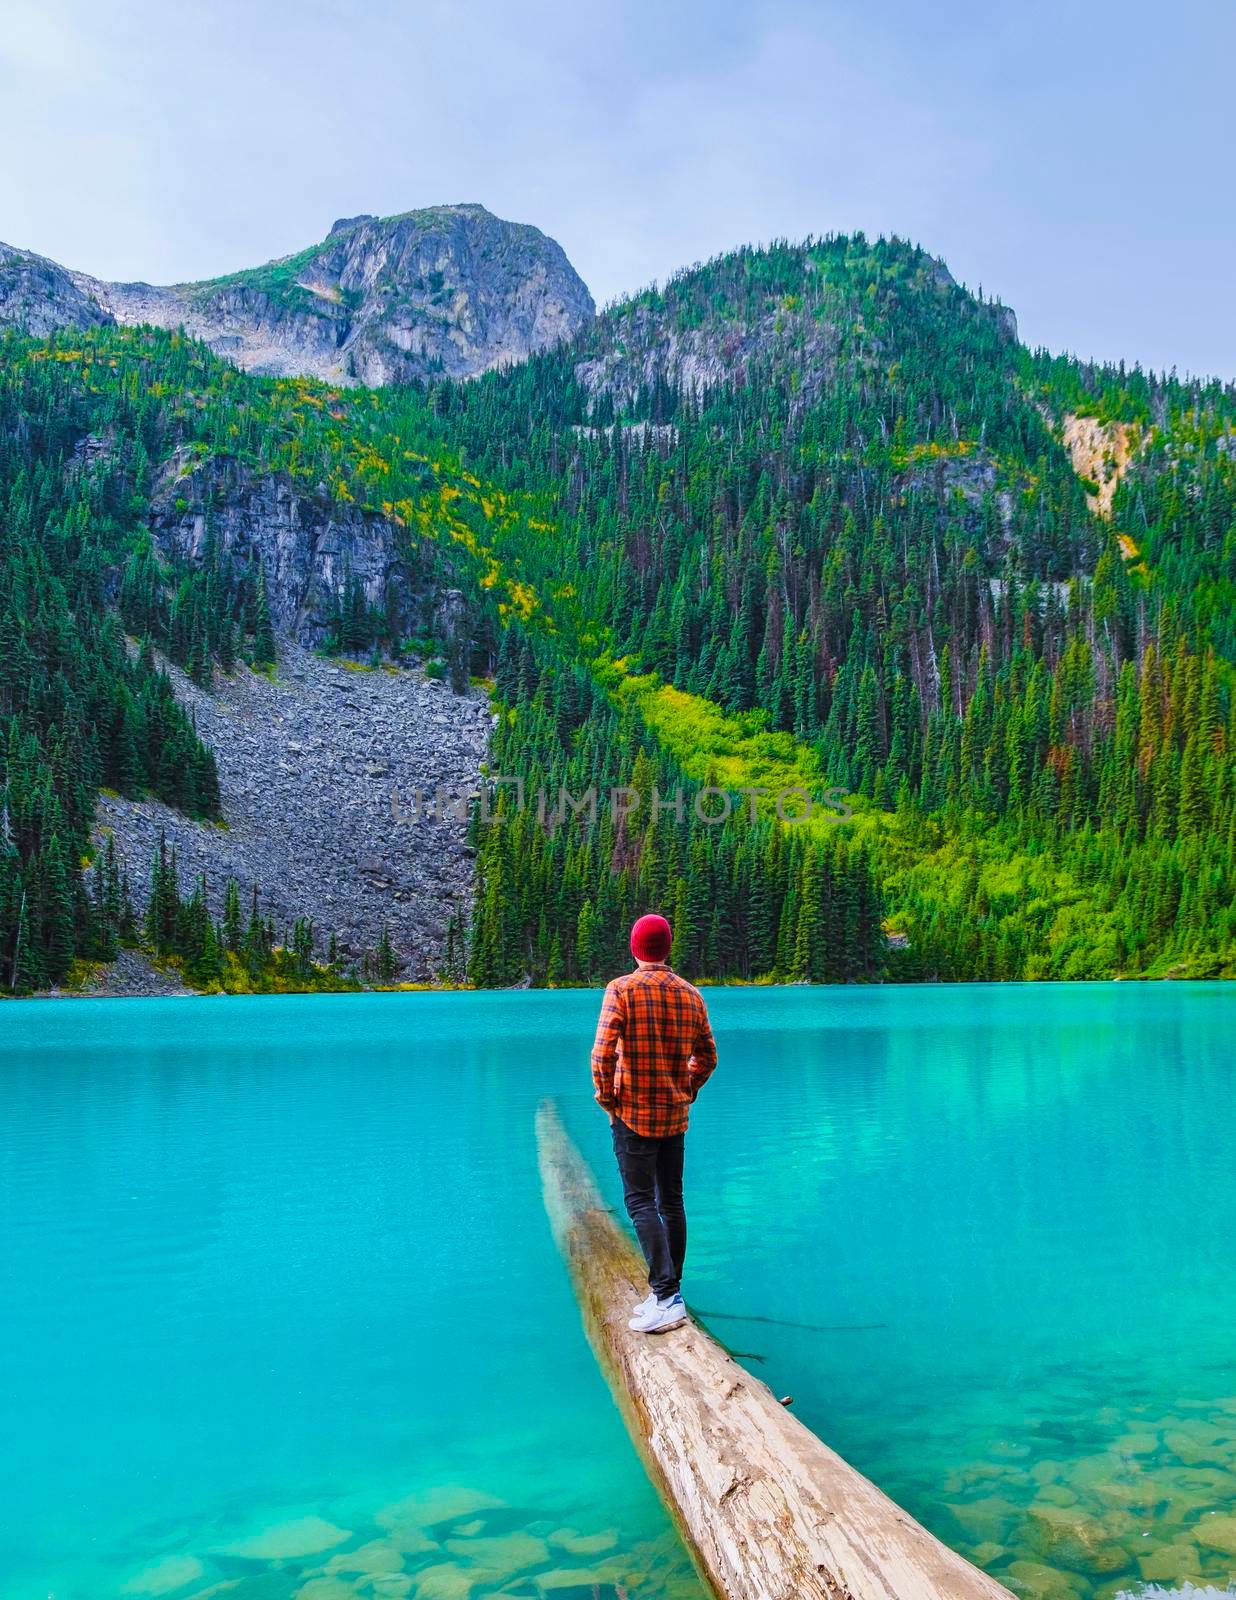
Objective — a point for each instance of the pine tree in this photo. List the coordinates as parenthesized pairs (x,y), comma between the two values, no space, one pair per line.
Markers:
(263,630)
(233,921)
(386,963)
(58,930)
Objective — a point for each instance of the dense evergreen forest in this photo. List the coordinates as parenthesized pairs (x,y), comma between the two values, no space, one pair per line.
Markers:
(803,518)
(875,542)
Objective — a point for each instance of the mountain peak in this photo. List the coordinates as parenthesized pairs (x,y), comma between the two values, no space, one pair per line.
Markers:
(450,290)
(791,311)
(345,224)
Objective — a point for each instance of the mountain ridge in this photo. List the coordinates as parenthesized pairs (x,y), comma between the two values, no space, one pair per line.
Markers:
(444,290)
(813,520)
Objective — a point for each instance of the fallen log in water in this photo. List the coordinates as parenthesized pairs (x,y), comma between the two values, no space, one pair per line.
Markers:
(767,1509)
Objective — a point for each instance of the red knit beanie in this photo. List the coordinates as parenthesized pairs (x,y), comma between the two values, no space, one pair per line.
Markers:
(651,939)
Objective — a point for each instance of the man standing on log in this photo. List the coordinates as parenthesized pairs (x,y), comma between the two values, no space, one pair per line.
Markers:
(654,1050)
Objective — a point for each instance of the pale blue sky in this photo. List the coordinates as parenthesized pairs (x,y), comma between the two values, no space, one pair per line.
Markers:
(1079,160)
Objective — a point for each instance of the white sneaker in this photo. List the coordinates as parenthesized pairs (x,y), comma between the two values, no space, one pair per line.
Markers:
(660,1317)
(645,1305)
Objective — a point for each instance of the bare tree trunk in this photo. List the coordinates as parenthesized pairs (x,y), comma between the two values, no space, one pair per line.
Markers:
(767,1510)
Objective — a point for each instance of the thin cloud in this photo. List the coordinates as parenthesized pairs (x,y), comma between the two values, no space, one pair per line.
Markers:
(1071,163)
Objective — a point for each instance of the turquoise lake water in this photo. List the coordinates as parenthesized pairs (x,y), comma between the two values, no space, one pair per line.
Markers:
(279,1306)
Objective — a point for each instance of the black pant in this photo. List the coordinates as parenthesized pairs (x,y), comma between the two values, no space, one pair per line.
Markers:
(651,1172)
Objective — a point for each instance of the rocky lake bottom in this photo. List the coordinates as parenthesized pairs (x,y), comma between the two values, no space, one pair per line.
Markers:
(444,1542)
(285,1319)
(1152,1500)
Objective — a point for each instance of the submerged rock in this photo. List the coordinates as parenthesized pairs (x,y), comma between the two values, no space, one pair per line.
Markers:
(988,1518)
(504,1556)
(1085,1544)
(410,1539)
(1057,1494)
(562,1582)
(325,1588)
(1217,1533)
(1196,1443)
(592,1591)
(287,1541)
(162,1577)
(376,1557)
(1171,1563)
(426,1508)
(446,1581)
(1037,1582)
(270,1583)
(583,1544)
(1137,1444)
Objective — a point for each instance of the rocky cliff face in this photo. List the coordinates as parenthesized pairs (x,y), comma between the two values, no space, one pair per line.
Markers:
(643,351)
(307,544)
(451,290)
(739,331)
(39,296)
(1101,453)
(320,762)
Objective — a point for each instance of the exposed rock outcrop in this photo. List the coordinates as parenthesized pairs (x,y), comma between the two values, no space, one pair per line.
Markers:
(319,765)
(1101,453)
(642,351)
(673,340)
(450,290)
(38,296)
(306,543)
(962,480)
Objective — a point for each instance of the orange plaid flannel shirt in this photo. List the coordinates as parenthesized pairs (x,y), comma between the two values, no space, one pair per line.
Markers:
(654,1049)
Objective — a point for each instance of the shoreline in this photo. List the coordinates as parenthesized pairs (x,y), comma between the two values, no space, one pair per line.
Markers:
(158,983)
